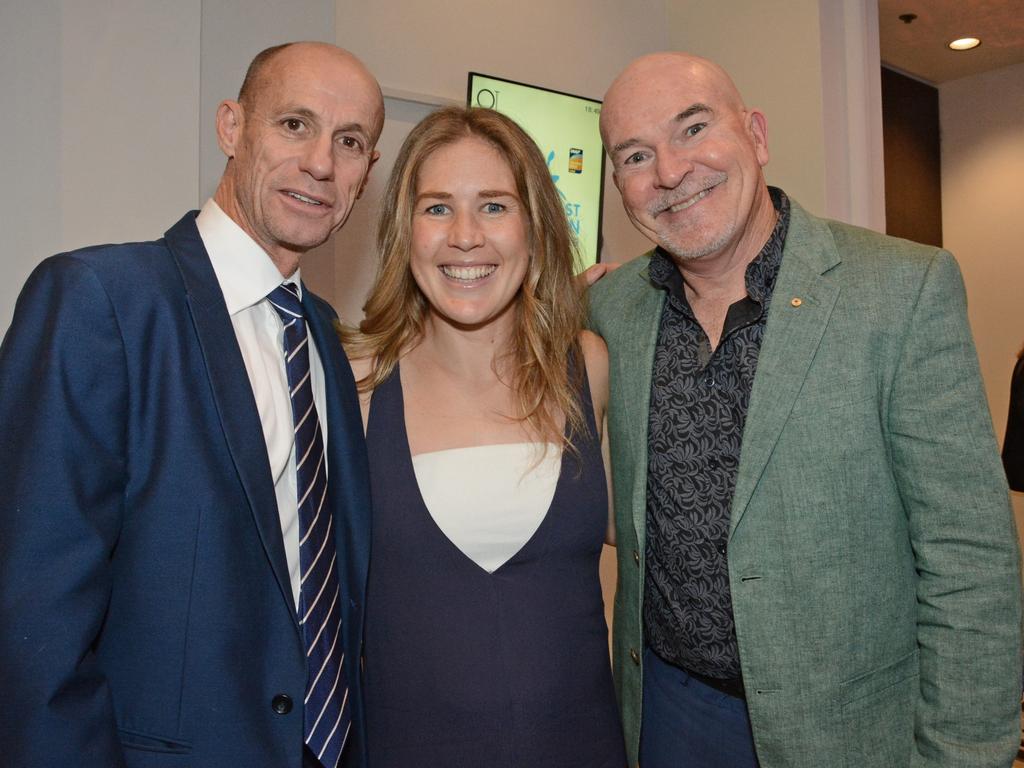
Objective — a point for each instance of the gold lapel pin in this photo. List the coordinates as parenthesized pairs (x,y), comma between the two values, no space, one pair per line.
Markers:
(796,301)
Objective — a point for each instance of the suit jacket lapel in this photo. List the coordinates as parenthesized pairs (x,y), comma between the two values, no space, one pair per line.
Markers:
(801,305)
(346,454)
(232,392)
(642,318)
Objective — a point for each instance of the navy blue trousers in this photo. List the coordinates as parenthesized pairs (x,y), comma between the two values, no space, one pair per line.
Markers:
(686,723)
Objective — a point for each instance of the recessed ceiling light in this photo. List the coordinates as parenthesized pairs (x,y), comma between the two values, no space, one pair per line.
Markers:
(964,43)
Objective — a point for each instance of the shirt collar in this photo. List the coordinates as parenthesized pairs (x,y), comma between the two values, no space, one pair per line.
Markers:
(244,270)
(760,273)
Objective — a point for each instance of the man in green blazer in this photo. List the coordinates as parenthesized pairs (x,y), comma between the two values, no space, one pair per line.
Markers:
(817,560)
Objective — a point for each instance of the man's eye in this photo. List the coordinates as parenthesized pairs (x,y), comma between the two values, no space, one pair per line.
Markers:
(696,128)
(633,159)
(351,142)
(293,124)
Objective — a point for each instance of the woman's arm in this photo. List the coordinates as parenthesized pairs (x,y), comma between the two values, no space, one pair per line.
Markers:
(595,354)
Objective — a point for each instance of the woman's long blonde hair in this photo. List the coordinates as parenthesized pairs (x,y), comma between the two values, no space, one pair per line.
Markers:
(550,308)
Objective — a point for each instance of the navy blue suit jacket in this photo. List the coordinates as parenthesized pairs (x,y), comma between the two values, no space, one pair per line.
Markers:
(146,616)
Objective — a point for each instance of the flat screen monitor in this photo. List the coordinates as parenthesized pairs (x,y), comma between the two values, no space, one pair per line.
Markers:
(565,128)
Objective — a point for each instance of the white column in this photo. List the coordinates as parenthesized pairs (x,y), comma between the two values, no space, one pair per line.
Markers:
(852,112)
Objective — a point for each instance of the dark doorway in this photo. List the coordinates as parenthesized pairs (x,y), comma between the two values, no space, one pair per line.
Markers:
(913,177)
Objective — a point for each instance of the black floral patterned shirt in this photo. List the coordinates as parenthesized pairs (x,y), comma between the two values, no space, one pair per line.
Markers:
(699,401)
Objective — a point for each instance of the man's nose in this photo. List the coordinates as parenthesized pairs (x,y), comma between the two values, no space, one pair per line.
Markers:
(318,158)
(672,167)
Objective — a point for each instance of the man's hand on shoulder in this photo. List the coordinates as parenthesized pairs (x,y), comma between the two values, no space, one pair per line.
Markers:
(595,272)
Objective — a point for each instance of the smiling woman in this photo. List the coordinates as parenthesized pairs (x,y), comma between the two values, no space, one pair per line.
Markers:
(483,400)
(496,156)
(469,239)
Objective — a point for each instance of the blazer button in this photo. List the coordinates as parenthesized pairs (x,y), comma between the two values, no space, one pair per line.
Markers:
(282,703)
(634,656)
(636,557)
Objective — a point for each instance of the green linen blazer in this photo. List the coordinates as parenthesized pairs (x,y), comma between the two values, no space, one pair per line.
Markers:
(873,557)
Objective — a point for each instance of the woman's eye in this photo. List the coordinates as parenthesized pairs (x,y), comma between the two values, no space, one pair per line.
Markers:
(437,210)
(494,207)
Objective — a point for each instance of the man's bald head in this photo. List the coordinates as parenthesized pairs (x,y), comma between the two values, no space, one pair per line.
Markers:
(262,68)
(652,74)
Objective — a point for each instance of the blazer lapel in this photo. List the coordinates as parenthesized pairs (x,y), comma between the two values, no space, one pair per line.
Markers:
(232,392)
(642,319)
(801,305)
(346,453)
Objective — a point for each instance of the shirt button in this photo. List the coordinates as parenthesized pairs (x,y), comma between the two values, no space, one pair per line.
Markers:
(282,704)
(634,656)
(636,557)
(709,381)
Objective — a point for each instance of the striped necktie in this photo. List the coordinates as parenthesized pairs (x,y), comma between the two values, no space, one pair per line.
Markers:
(326,713)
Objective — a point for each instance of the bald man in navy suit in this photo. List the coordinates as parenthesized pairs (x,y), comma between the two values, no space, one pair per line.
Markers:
(149,534)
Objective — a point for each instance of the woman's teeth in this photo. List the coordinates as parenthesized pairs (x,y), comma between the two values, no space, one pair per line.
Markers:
(475,272)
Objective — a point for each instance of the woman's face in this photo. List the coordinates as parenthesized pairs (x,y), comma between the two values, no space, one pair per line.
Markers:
(469,235)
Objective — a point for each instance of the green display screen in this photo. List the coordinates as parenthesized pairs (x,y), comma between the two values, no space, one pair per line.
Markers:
(565,128)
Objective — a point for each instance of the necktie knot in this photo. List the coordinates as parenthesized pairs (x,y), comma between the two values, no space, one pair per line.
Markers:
(285,300)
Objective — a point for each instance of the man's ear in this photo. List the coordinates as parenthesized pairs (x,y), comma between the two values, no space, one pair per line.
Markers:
(366,176)
(757,125)
(230,120)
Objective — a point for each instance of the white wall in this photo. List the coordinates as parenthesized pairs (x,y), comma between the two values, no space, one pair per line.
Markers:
(983,218)
(30,137)
(101,134)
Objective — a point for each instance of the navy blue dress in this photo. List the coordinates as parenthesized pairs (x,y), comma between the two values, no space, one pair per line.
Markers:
(490,670)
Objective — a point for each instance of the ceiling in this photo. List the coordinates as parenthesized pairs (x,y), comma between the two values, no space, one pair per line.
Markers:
(919,48)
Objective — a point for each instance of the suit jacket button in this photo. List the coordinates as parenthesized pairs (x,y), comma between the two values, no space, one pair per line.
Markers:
(636,557)
(282,703)
(634,656)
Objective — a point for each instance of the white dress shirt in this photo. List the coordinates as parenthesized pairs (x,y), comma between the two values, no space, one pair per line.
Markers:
(246,276)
